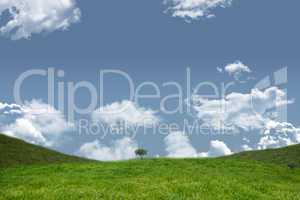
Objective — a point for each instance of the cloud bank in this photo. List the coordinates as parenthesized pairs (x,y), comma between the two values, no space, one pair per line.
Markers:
(34,122)
(278,134)
(178,145)
(125,112)
(122,149)
(238,111)
(252,114)
(29,17)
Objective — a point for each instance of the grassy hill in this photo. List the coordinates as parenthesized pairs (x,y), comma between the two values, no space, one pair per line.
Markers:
(14,152)
(237,177)
(285,156)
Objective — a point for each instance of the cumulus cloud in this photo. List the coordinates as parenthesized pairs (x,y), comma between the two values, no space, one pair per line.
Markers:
(246,147)
(29,17)
(238,70)
(122,149)
(195,9)
(253,115)
(178,145)
(237,67)
(34,122)
(239,111)
(279,134)
(125,112)
(217,148)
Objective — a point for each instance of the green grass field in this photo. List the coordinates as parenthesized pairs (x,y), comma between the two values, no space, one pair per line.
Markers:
(238,177)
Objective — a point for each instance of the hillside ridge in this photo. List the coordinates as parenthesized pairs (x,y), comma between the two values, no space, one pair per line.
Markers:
(15,152)
(289,155)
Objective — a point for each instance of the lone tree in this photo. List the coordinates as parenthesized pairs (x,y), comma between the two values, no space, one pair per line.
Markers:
(141,153)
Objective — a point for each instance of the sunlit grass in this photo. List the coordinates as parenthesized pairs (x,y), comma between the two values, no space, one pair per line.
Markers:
(152,179)
(30,172)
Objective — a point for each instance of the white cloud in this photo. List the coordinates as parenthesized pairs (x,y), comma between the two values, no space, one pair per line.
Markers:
(254,115)
(195,9)
(237,67)
(279,134)
(37,16)
(10,109)
(34,122)
(239,111)
(220,69)
(127,112)
(238,70)
(178,146)
(246,147)
(122,149)
(217,148)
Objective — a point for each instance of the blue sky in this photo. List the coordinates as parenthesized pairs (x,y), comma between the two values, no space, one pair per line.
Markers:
(149,44)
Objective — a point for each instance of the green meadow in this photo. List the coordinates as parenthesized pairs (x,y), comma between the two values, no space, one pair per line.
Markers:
(30,172)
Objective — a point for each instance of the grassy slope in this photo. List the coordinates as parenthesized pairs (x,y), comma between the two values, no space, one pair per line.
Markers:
(284,156)
(14,152)
(207,179)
